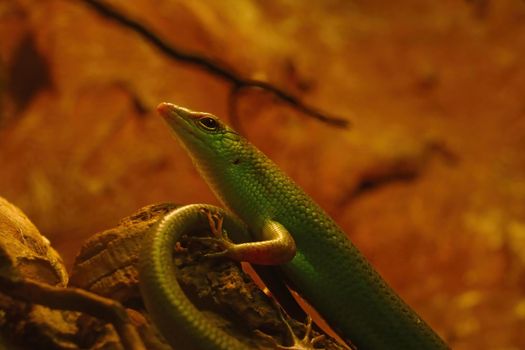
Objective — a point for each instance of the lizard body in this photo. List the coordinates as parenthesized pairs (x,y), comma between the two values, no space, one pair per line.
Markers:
(320,262)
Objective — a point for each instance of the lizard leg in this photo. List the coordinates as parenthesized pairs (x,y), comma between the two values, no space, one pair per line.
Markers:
(305,343)
(277,246)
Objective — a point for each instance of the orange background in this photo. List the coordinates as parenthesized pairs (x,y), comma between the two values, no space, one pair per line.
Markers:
(435,87)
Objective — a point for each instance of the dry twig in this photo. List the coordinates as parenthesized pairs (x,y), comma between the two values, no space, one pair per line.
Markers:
(238,82)
(74,299)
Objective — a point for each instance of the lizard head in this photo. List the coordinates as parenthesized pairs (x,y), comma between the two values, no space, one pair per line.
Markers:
(208,140)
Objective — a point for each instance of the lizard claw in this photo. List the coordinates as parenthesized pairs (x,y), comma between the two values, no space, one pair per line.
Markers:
(306,343)
(215,220)
(220,236)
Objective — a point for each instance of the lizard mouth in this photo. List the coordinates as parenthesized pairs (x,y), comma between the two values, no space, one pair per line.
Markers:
(180,121)
(177,117)
(171,112)
(164,108)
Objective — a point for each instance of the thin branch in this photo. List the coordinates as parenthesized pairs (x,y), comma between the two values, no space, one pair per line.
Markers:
(213,67)
(74,299)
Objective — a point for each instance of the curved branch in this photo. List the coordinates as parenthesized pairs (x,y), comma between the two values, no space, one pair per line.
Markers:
(213,67)
(74,299)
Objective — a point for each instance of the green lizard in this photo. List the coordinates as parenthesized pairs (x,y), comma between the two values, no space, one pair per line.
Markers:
(274,223)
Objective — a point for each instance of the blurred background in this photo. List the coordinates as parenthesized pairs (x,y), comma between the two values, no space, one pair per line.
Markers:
(429,181)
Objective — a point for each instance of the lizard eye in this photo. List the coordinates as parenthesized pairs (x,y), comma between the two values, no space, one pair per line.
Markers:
(208,123)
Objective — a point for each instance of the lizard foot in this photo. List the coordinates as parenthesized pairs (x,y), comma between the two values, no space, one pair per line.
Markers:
(306,343)
(220,236)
